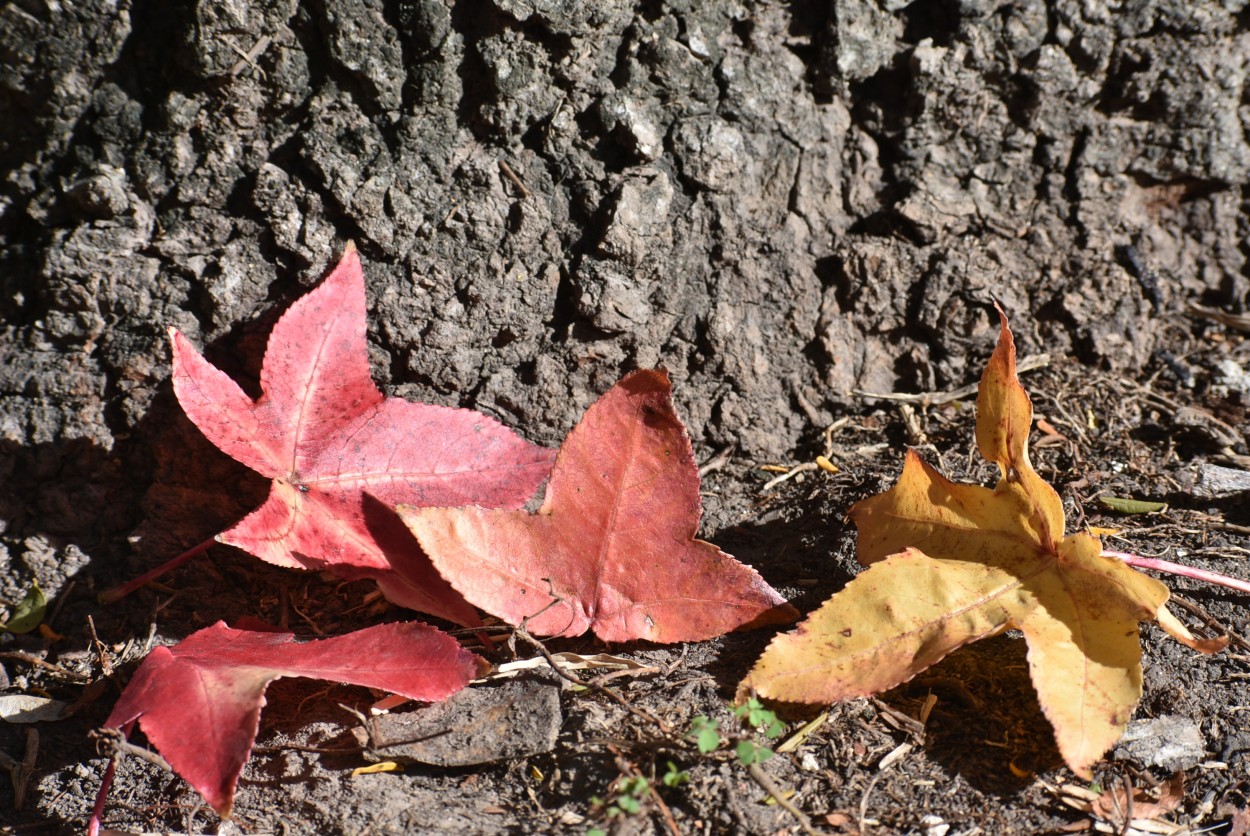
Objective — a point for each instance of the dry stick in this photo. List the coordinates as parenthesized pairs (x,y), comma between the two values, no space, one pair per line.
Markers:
(625,766)
(863,801)
(106,666)
(248,59)
(1027,364)
(1180,570)
(108,596)
(115,740)
(516,181)
(1128,804)
(523,634)
(761,777)
(1211,621)
(22,772)
(789,474)
(1241,323)
(31,659)
(718,461)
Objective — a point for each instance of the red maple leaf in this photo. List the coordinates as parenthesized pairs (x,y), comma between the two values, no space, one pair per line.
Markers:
(613,544)
(199,702)
(341,455)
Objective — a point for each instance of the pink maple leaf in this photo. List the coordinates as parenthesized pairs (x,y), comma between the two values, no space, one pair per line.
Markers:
(613,547)
(199,702)
(341,455)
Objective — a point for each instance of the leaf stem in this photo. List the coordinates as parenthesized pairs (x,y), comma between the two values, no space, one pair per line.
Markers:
(108,596)
(97,810)
(1180,570)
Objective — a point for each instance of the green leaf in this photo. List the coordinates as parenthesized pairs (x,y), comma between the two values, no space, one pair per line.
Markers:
(29,612)
(705,732)
(1131,506)
(674,777)
(628,804)
(749,753)
(759,717)
(635,786)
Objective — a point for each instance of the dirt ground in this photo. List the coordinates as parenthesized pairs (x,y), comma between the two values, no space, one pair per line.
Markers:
(787,205)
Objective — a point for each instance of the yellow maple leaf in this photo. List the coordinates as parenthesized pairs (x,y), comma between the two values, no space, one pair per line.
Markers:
(950,563)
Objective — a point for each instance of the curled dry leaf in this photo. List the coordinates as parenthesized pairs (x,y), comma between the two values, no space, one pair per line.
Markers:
(341,455)
(950,563)
(199,702)
(613,548)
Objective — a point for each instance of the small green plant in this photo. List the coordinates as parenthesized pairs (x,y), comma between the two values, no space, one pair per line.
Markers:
(706,733)
(760,718)
(630,792)
(674,777)
(633,789)
(751,753)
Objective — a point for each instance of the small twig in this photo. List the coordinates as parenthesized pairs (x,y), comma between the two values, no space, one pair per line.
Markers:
(761,777)
(311,624)
(863,802)
(627,768)
(30,659)
(106,664)
(1211,621)
(516,181)
(718,461)
(114,743)
(1128,804)
(523,634)
(681,660)
(1241,323)
(1027,364)
(247,59)
(789,474)
(21,772)
(830,430)
(916,435)
(610,675)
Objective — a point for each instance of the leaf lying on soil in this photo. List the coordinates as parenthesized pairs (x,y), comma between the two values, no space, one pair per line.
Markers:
(612,548)
(199,702)
(341,455)
(949,564)
(27,613)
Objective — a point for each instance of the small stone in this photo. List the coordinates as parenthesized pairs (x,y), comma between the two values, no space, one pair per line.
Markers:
(496,721)
(1212,481)
(1171,742)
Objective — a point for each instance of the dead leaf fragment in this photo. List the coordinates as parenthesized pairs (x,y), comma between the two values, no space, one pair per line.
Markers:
(949,564)
(1147,803)
(30,708)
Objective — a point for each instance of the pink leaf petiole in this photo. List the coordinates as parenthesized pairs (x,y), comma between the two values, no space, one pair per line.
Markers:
(1180,570)
(108,596)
